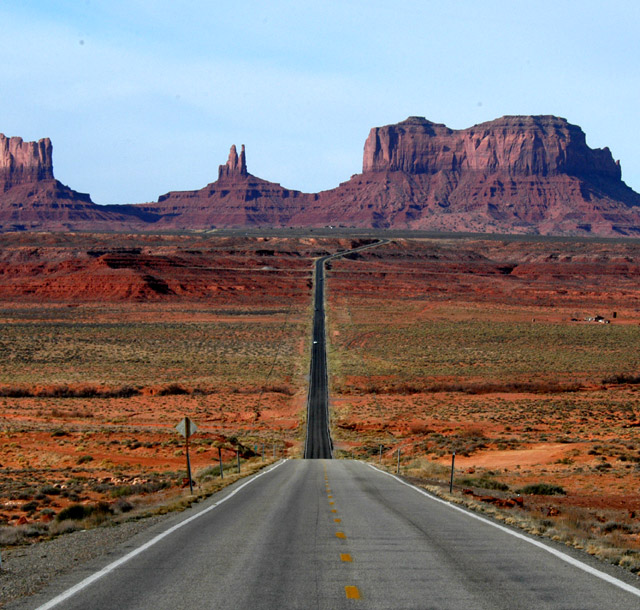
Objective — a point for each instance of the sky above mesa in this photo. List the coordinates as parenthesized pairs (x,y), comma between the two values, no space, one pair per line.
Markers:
(140,97)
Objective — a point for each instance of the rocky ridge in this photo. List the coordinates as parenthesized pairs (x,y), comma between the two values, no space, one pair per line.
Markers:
(516,174)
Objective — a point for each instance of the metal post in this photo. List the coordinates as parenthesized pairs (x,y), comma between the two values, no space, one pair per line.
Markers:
(188,461)
(238,458)
(453,463)
(380,456)
(274,451)
(398,464)
(220,460)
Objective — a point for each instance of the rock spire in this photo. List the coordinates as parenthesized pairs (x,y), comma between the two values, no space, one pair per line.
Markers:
(236,164)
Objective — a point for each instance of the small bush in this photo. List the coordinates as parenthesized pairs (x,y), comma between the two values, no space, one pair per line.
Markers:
(74,511)
(484,483)
(77,512)
(83,459)
(50,490)
(543,489)
(121,506)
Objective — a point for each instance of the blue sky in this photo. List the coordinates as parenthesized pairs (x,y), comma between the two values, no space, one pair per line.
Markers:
(141,97)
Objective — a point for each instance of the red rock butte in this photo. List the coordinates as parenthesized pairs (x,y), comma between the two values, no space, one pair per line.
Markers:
(516,174)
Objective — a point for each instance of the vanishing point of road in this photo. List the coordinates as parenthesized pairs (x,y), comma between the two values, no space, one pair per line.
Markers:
(332,534)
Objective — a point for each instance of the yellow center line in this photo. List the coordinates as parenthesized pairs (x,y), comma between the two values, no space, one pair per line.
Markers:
(333,510)
(331,503)
(352,592)
(337,520)
(340,535)
(345,557)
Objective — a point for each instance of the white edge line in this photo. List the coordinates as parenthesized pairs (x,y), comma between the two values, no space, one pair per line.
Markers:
(83,584)
(563,556)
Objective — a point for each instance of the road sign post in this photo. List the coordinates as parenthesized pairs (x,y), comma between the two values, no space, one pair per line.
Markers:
(453,463)
(186,427)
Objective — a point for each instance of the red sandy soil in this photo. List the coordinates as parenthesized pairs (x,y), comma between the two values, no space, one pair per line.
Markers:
(189,278)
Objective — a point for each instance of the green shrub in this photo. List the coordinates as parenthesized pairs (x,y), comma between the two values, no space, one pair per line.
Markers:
(543,489)
(484,482)
(74,511)
(82,511)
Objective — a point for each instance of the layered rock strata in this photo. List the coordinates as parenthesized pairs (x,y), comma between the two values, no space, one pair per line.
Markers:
(516,174)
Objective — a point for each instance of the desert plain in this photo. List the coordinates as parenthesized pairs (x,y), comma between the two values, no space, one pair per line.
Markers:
(519,354)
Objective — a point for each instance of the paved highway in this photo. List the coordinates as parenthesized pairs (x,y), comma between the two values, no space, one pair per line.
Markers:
(332,534)
(318,442)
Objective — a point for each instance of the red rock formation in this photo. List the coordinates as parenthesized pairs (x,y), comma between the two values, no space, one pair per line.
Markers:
(512,175)
(24,162)
(31,198)
(236,199)
(517,174)
(235,166)
(516,145)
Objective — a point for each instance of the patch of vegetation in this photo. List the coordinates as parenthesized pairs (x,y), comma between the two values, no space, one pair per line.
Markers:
(543,489)
(484,482)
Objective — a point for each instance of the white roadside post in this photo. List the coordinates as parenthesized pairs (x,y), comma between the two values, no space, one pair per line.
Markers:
(186,427)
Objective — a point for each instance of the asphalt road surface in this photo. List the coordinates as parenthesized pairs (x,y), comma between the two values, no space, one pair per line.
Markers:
(318,442)
(332,534)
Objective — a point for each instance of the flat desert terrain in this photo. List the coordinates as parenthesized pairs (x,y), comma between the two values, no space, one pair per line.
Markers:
(519,355)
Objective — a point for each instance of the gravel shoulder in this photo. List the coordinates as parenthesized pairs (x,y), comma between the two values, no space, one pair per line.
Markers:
(27,569)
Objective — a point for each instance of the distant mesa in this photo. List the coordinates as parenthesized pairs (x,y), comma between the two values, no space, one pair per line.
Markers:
(24,162)
(32,199)
(516,174)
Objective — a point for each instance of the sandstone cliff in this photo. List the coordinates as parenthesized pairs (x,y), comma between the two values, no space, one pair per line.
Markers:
(32,199)
(23,162)
(236,199)
(516,145)
(516,174)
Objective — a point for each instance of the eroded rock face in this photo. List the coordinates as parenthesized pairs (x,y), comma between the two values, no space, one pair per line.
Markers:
(235,166)
(236,199)
(517,174)
(32,199)
(515,145)
(23,162)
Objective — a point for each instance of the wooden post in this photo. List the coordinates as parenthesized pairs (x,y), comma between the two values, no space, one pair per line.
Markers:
(220,460)
(453,463)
